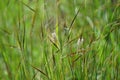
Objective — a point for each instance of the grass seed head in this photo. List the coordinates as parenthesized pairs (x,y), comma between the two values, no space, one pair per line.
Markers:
(54,36)
(80,41)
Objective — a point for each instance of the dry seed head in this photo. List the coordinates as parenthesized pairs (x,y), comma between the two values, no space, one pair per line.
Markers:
(54,36)
(80,41)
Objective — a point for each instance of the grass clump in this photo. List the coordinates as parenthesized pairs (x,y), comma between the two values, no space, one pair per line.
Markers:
(59,40)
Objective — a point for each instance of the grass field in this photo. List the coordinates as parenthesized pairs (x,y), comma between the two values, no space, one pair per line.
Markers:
(59,39)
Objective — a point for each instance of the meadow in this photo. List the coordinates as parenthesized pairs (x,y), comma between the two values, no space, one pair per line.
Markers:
(59,39)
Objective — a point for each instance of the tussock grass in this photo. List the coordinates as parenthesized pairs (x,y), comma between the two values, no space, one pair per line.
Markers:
(59,40)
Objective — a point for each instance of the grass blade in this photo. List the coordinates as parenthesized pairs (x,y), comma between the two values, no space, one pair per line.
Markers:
(40,71)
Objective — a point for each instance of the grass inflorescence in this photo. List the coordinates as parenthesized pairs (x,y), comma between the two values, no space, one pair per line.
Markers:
(59,39)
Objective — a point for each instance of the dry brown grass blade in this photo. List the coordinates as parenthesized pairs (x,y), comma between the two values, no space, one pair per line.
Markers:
(73,62)
(53,43)
(71,40)
(73,22)
(53,57)
(40,71)
(34,76)
(75,53)
(42,31)
(74,19)
(24,32)
(28,6)
(5,31)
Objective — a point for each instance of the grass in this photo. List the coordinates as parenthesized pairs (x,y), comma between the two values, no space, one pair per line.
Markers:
(59,40)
